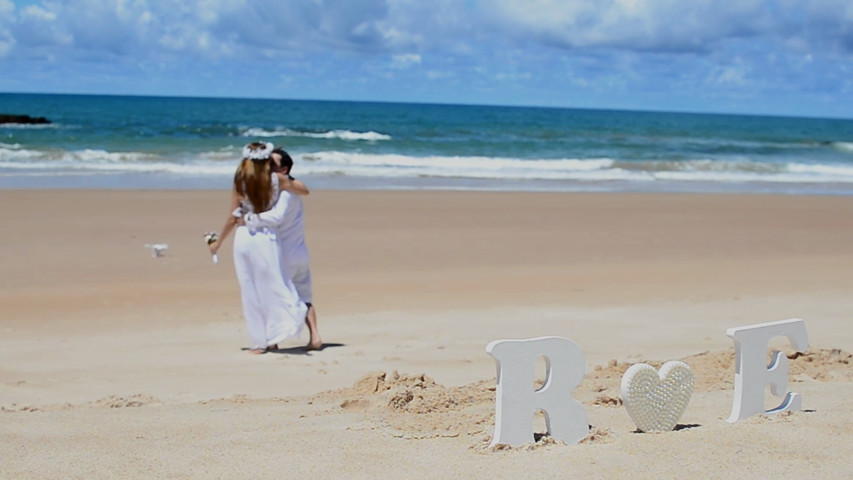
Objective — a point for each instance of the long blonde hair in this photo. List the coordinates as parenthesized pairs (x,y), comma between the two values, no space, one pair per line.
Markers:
(253,180)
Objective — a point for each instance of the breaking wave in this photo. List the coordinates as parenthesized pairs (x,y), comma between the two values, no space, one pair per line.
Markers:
(348,135)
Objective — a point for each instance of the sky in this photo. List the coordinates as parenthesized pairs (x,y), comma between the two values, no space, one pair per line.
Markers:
(775,57)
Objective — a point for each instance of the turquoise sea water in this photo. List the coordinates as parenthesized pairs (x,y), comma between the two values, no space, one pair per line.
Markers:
(162,142)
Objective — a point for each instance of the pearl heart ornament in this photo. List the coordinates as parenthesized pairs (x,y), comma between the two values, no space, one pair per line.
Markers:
(656,400)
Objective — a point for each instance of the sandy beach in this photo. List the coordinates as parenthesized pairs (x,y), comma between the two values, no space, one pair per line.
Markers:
(116,364)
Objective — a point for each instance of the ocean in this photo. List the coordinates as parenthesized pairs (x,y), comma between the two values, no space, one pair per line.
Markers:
(130,142)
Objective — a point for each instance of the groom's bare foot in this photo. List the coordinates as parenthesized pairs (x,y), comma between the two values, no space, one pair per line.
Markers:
(314,340)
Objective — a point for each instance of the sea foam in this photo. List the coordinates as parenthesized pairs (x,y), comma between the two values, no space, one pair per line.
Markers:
(331,134)
(843,146)
(348,164)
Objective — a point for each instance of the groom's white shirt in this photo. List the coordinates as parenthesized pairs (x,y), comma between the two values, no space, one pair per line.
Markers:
(286,218)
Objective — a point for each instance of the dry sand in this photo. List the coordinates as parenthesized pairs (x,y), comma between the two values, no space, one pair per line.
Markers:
(114,364)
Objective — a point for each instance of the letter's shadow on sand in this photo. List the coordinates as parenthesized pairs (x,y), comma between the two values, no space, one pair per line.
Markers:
(680,426)
(300,350)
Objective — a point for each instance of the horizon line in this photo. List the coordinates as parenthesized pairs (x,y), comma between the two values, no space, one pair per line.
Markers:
(414,102)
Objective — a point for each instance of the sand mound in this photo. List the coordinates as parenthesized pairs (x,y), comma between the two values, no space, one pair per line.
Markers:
(716,370)
(822,365)
(415,406)
(418,394)
(112,401)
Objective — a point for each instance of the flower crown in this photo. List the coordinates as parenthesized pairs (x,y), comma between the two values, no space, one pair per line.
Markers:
(258,153)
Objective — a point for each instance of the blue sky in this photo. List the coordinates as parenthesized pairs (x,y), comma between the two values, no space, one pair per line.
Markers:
(782,57)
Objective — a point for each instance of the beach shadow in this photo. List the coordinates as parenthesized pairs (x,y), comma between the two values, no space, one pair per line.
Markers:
(303,350)
(685,426)
(246,349)
(538,436)
(680,426)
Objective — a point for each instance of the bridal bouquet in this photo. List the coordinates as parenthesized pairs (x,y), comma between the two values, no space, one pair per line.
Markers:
(210,237)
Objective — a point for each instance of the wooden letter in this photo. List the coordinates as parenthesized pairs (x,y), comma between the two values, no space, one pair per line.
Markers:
(516,401)
(751,374)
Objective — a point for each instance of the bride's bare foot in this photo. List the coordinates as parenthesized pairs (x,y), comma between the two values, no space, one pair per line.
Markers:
(258,351)
(315,345)
(272,347)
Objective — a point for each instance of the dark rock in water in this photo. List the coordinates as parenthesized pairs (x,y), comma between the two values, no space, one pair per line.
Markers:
(5,118)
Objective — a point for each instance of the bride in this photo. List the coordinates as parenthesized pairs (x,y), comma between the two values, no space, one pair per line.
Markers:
(271,306)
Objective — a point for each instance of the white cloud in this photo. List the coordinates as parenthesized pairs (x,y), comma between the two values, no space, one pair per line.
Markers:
(665,25)
(626,46)
(513,77)
(38,27)
(439,74)
(226,27)
(37,13)
(405,61)
(7,12)
(135,27)
(729,76)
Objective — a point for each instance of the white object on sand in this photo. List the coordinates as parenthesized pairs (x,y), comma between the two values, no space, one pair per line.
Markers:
(157,249)
(515,400)
(753,375)
(656,400)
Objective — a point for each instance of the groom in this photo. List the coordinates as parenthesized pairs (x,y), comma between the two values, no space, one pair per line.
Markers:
(286,217)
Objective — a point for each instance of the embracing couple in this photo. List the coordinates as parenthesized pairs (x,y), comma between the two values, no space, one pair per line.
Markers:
(270,256)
